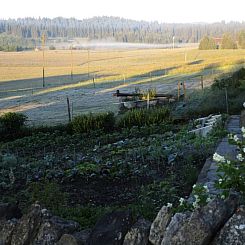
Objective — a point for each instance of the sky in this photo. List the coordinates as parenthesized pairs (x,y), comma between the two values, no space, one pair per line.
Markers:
(171,11)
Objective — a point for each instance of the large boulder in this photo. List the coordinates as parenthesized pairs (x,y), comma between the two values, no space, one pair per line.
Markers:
(111,228)
(200,226)
(139,233)
(53,228)
(234,230)
(159,225)
(38,226)
(28,226)
(78,238)
(6,231)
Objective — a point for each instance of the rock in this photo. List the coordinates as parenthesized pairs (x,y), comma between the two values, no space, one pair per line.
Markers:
(6,231)
(78,238)
(67,239)
(234,230)
(28,226)
(82,236)
(139,233)
(159,225)
(111,228)
(53,228)
(9,211)
(200,226)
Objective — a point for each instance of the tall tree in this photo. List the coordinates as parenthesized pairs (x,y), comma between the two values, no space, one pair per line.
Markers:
(241,39)
(228,42)
(207,43)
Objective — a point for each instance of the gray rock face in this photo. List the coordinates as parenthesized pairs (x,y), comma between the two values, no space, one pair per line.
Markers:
(6,231)
(200,226)
(78,238)
(159,225)
(111,229)
(28,227)
(139,233)
(36,227)
(234,230)
(67,239)
(52,229)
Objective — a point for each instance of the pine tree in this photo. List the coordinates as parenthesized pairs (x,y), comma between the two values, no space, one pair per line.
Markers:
(228,42)
(241,39)
(207,43)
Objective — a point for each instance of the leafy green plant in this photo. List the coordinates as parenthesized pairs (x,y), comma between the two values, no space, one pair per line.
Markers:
(232,171)
(144,117)
(90,122)
(48,194)
(12,124)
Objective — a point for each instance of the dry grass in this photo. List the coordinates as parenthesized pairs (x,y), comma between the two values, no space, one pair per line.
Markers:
(112,69)
(118,63)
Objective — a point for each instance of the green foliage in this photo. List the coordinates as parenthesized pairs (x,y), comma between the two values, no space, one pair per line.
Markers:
(200,197)
(228,42)
(153,196)
(52,47)
(48,194)
(11,124)
(207,43)
(86,216)
(234,81)
(90,122)
(144,117)
(241,39)
(10,43)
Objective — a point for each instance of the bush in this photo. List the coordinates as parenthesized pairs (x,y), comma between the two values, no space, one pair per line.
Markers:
(11,124)
(48,194)
(231,82)
(207,43)
(90,122)
(143,117)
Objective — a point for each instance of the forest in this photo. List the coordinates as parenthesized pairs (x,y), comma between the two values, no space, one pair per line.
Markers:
(26,33)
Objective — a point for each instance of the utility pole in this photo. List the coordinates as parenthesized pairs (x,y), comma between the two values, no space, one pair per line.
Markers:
(173,41)
(43,46)
(88,63)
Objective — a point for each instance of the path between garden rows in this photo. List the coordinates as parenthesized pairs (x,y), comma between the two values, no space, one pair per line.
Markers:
(208,175)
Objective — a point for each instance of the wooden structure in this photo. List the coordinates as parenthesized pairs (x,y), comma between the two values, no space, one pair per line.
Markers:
(132,100)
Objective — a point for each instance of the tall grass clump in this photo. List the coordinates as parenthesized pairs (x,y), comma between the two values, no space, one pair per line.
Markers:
(91,122)
(144,117)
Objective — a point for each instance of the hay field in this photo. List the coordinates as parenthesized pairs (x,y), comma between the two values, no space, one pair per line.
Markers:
(97,74)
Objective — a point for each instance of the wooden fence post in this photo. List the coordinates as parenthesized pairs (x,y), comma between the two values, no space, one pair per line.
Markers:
(184,89)
(68,108)
(178,90)
(202,82)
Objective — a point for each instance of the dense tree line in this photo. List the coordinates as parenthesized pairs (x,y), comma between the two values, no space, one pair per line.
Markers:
(115,28)
(228,41)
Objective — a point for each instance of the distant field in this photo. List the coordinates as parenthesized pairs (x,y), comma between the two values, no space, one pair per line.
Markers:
(98,73)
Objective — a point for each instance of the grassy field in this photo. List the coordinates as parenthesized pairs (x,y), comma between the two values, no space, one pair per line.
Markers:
(21,77)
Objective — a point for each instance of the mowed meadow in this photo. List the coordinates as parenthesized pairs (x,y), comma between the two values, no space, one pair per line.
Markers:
(96,74)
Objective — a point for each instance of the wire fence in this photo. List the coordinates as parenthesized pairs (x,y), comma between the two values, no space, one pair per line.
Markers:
(51,107)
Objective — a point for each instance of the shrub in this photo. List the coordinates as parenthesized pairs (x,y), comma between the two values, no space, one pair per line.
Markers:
(143,117)
(207,43)
(90,122)
(48,194)
(11,124)
(231,171)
